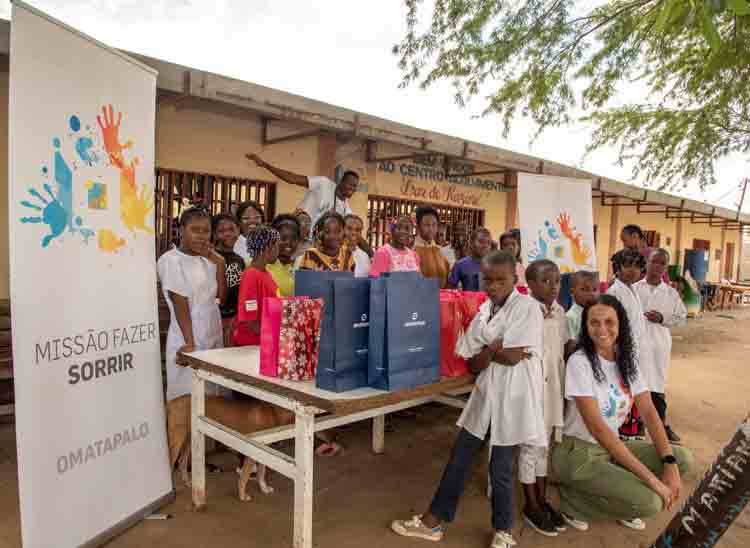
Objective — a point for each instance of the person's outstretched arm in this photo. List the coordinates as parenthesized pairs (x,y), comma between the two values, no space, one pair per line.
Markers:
(284,175)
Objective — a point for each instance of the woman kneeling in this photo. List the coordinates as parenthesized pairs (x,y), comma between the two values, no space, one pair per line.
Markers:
(602,477)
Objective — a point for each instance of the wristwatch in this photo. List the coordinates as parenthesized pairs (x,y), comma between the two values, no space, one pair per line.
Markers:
(669,459)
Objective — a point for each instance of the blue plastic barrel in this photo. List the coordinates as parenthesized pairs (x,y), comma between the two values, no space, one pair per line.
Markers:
(696,261)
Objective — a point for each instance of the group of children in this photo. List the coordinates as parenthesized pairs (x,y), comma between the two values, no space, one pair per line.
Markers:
(517,343)
(518,346)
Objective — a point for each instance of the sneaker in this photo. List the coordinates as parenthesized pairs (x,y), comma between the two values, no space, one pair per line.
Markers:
(635,524)
(502,539)
(555,517)
(577,524)
(415,528)
(540,522)
(672,436)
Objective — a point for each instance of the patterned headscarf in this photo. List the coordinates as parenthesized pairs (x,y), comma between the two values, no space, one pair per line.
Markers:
(261,238)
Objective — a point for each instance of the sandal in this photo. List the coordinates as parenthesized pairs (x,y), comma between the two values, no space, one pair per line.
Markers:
(328,449)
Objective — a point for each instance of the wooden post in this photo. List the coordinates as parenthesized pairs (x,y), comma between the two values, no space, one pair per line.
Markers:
(678,243)
(511,200)
(378,434)
(198,443)
(717,501)
(304,437)
(614,236)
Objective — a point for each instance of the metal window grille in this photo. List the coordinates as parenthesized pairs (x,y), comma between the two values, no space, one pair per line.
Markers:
(176,190)
(382,211)
(653,238)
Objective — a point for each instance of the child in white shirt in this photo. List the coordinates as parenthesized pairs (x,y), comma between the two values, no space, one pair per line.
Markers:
(584,288)
(192,280)
(543,279)
(664,310)
(504,347)
(628,266)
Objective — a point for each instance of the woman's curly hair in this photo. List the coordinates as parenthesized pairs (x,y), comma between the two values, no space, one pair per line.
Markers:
(625,353)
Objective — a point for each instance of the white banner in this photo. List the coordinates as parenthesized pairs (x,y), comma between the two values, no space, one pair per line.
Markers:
(557,221)
(92,449)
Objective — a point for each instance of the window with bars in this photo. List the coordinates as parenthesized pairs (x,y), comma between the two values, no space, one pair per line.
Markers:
(382,211)
(652,237)
(176,190)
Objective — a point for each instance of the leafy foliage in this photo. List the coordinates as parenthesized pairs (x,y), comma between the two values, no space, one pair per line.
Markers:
(666,81)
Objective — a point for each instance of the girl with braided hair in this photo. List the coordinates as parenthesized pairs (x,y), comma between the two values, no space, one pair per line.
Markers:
(329,254)
(257,284)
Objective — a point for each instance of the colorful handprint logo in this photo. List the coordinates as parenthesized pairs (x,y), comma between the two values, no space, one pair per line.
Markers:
(561,242)
(53,203)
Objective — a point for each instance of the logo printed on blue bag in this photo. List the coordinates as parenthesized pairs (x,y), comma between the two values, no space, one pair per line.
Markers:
(415,322)
(363,323)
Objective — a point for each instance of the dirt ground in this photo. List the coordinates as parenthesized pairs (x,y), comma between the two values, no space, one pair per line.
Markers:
(358,493)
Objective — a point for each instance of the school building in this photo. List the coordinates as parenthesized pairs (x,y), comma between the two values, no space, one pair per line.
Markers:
(206,123)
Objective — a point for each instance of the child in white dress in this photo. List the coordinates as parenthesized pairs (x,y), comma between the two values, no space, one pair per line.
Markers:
(194,283)
(504,347)
(664,310)
(628,266)
(543,279)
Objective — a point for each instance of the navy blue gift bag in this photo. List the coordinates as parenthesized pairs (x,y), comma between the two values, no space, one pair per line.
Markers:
(404,331)
(344,330)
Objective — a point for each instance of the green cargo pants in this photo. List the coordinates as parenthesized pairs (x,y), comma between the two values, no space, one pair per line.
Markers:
(593,488)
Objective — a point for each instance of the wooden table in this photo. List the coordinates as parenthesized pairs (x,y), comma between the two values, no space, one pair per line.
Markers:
(728,293)
(238,369)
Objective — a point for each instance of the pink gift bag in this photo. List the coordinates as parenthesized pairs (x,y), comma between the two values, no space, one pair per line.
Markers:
(290,337)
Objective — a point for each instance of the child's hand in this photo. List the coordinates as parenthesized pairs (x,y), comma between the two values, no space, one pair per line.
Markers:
(496,346)
(654,316)
(184,349)
(511,356)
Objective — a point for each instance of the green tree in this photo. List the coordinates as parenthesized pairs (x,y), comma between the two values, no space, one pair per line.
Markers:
(666,82)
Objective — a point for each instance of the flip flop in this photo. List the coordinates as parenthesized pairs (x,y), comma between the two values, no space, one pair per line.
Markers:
(330,449)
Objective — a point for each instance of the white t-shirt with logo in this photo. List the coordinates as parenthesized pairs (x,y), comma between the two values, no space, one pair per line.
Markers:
(361,263)
(613,398)
(320,197)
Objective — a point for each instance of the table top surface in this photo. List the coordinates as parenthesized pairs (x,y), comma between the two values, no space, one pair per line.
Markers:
(242,364)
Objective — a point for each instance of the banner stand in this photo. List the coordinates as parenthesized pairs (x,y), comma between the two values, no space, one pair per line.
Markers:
(90,415)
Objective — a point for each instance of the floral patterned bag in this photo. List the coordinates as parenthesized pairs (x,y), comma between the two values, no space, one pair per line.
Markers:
(290,337)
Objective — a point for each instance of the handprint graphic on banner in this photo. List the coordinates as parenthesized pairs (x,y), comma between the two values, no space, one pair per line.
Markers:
(84,173)
(556,221)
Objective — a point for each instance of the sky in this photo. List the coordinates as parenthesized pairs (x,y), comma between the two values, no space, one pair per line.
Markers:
(335,51)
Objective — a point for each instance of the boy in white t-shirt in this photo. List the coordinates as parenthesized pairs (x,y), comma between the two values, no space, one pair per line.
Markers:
(322,195)
(584,288)
(543,279)
(504,347)
(664,309)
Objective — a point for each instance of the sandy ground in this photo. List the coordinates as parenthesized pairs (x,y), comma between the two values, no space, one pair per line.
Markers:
(358,493)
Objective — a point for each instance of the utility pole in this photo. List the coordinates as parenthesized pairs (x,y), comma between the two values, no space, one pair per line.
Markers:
(742,198)
(742,230)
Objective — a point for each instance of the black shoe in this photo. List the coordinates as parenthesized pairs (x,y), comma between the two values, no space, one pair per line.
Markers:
(555,517)
(541,523)
(672,436)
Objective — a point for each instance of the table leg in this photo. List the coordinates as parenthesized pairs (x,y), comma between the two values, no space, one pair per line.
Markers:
(198,443)
(378,434)
(304,448)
